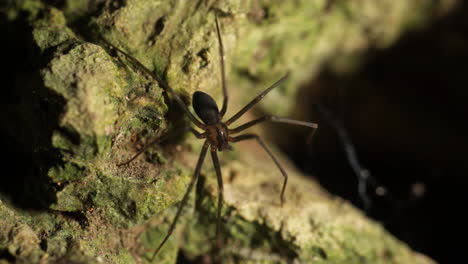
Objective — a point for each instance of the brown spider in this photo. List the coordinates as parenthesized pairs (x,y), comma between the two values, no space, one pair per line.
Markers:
(216,133)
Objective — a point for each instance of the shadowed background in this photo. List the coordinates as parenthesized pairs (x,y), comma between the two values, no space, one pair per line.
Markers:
(405,110)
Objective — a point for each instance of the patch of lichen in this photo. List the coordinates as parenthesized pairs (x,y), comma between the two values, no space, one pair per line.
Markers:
(154,233)
(50,30)
(353,246)
(181,48)
(260,239)
(13,9)
(39,237)
(66,173)
(22,239)
(103,99)
(79,11)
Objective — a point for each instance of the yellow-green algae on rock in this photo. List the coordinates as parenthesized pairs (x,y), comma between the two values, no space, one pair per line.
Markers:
(103,213)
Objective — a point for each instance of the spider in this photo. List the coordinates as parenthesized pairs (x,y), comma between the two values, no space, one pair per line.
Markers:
(216,132)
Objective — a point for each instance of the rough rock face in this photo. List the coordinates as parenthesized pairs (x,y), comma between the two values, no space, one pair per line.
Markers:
(83,109)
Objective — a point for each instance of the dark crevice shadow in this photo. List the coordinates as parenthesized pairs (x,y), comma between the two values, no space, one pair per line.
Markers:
(29,114)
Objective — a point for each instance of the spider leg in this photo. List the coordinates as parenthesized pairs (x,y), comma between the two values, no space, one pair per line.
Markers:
(164,137)
(223,70)
(139,152)
(197,134)
(214,156)
(255,101)
(260,141)
(162,83)
(185,198)
(278,120)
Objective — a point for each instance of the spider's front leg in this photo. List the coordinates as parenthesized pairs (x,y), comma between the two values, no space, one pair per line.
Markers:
(217,167)
(276,119)
(186,196)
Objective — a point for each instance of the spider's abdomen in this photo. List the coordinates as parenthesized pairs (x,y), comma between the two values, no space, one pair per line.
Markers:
(205,107)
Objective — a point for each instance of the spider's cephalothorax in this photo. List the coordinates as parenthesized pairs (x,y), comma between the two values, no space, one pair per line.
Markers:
(216,133)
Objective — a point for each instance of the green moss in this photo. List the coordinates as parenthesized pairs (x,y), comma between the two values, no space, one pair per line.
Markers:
(24,234)
(61,141)
(78,11)
(267,50)
(152,237)
(51,30)
(68,200)
(66,173)
(13,9)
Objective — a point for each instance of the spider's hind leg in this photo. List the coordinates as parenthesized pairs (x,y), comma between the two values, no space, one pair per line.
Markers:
(268,151)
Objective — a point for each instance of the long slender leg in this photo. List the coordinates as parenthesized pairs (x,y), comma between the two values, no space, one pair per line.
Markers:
(260,141)
(164,137)
(196,133)
(214,156)
(186,196)
(223,70)
(255,101)
(162,83)
(275,119)
(138,153)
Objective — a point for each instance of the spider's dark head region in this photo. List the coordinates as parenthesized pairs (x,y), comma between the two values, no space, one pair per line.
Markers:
(205,107)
